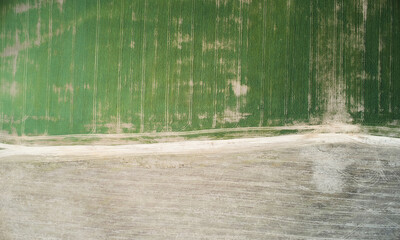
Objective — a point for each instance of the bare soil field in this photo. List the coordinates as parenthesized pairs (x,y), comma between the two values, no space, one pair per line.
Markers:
(303,186)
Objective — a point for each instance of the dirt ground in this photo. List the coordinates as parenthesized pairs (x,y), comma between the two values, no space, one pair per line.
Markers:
(304,186)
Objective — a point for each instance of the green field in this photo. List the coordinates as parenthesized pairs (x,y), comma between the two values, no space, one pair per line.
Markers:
(91,66)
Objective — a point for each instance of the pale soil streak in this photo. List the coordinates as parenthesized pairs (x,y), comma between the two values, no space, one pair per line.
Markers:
(313,186)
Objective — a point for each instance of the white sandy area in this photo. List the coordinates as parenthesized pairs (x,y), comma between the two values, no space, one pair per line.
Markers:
(206,146)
